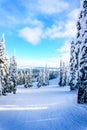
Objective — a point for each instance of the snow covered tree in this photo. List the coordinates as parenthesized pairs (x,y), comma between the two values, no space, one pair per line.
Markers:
(63,75)
(20,78)
(7,65)
(60,74)
(28,78)
(72,66)
(4,65)
(67,71)
(74,59)
(13,73)
(40,79)
(77,47)
(43,79)
(82,90)
(46,76)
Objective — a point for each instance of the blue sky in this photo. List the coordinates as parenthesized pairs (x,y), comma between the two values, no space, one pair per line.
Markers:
(39,30)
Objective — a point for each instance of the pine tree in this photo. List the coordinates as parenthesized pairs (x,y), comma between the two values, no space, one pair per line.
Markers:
(43,79)
(20,77)
(82,90)
(67,71)
(7,65)
(72,67)
(77,47)
(40,80)
(4,70)
(63,75)
(28,78)
(60,74)
(46,76)
(13,74)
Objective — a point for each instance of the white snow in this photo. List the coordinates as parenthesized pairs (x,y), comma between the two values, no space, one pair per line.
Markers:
(44,108)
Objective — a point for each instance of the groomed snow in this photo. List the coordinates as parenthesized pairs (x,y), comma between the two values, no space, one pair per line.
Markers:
(45,108)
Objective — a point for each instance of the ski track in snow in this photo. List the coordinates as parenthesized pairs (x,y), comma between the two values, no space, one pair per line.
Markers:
(45,108)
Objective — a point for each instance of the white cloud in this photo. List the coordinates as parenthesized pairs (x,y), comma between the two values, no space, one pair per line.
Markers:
(74,14)
(54,31)
(32,35)
(45,6)
(7,20)
(66,29)
(52,6)
(70,29)
(58,30)
(33,22)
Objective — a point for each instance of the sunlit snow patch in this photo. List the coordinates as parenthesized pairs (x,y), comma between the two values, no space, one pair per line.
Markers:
(22,108)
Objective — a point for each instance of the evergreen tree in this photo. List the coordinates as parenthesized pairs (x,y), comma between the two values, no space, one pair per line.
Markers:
(28,78)
(77,47)
(67,71)
(63,75)
(20,77)
(7,65)
(13,73)
(4,71)
(60,74)
(46,76)
(72,67)
(43,79)
(82,90)
(40,80)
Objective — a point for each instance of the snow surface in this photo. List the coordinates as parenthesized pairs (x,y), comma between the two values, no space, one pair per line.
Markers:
(45,108)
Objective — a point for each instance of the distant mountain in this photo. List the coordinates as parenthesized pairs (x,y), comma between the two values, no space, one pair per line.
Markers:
(36,68)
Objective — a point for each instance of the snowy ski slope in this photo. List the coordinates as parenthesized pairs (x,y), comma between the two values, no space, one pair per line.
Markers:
(45,108)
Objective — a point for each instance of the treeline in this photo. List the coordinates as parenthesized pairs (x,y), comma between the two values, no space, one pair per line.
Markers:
(42,76)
